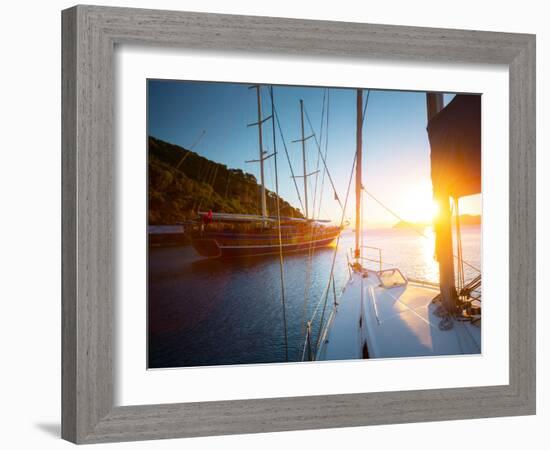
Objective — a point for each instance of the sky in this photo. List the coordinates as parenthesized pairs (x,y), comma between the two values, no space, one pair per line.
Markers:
(396,152)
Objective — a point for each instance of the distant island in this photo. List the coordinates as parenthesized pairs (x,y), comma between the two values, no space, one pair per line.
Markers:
(465,219)
(176,194)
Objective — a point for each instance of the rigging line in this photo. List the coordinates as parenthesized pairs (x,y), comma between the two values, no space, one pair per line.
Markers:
(211,184)
(276,115)
(457,279)
(212,180)
(318,157)
(390,264)
(321,127)
(321,135)
(212,169)
(306,341)
(362,199)
(227,183)
(311,253)
(281,263)
(337,241)
(334,256)
(190,150)
(335,252)
(322,320)
(392,212)
(412,227)
(319,146)
(459,246)
(365,107)
(326,152)
(324,161)
(311,246)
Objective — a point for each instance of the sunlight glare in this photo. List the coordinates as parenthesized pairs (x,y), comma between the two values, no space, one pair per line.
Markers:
(419,205)
(428,251)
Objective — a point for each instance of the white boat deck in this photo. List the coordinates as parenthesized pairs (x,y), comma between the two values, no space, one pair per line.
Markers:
(393,322)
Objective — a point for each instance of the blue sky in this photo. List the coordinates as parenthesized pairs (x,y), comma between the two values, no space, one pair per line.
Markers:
(396,165)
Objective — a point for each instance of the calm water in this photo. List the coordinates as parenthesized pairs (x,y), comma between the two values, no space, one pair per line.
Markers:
(211,312)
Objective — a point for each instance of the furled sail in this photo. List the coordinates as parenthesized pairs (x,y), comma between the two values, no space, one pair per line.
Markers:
(455,141)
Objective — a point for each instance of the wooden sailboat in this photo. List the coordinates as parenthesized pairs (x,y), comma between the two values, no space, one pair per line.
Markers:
(382,314)
(247,235)
(241,235)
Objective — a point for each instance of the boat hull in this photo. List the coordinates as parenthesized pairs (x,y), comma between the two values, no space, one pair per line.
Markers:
(377,321)
(212,248)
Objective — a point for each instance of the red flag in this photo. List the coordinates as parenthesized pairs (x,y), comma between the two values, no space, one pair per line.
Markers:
(208,218)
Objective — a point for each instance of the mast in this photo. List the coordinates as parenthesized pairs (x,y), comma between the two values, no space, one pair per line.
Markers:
(359,162)
(261,152)
(443,227)
(305,174)
(304,156)
(262,156)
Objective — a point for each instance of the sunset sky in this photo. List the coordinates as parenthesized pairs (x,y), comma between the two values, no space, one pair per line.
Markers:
(396,164)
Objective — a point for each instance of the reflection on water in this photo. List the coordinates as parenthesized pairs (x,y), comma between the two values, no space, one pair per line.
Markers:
(431,268)
(211,312)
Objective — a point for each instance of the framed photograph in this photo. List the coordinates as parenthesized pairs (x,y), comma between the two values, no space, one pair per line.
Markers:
(277,224)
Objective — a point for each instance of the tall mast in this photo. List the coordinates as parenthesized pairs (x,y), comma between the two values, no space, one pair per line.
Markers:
(359,163)
(305,174)
(262,153)
(304,156)
(443,227)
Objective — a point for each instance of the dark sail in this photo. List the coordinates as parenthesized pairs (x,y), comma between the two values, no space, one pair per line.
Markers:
(455,141)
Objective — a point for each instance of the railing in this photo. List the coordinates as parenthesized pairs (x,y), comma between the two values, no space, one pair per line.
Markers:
(379,260)
(471,290)
(423,282)
(381,267)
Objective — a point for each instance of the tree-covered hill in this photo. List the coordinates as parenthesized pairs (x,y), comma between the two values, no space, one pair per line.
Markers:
(199,184)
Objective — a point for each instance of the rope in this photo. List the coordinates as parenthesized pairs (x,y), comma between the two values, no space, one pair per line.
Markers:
(334,254)
(331,277)
(416,230)
(319,145)
(332,267)
(281,264)
(318,155)
(311,247)
(323,159)
(178,165)
(326,151)
(365,107)
(362,284)
(459,247)
(207,178)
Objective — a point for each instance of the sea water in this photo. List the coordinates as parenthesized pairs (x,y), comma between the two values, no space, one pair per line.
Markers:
(207,312)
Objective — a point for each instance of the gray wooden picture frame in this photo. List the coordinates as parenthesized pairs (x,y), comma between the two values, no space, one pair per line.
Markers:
(90,34)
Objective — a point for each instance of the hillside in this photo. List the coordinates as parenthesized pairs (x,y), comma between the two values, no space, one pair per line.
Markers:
(176,195)
(465,219)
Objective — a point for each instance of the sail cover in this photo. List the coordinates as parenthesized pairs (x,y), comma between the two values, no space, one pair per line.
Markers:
(455,141)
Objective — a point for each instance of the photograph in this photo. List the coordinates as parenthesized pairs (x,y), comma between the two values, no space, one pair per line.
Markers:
(250,225)
(290,224)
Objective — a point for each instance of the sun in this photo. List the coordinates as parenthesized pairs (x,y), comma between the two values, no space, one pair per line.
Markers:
(425,211)
(420,207)
(412,203)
